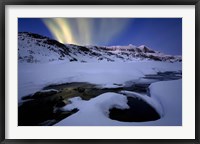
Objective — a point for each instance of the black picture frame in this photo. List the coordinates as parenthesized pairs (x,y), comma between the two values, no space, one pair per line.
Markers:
(3,4)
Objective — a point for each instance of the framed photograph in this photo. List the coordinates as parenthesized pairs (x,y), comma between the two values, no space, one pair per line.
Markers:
(106,72)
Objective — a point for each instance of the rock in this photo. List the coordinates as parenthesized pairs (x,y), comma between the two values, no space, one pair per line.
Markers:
(80,89)
(45,93)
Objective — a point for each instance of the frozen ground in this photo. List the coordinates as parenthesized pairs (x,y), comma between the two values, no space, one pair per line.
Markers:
(165,97)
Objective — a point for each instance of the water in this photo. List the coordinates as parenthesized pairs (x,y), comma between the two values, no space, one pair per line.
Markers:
(44,108)
(139,111)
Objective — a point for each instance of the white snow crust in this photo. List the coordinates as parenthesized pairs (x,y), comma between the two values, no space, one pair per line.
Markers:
(166,96)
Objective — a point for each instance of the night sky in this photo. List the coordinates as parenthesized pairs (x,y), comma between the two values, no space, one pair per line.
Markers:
(162,34)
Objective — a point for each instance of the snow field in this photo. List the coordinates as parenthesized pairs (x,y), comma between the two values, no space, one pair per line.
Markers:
(166,96)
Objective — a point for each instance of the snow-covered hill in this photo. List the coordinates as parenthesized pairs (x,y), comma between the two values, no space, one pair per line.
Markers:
(34,48)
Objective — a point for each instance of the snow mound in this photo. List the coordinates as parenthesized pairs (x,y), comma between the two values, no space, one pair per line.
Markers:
(169,94)
(166,98)
(151,101)
(94,111)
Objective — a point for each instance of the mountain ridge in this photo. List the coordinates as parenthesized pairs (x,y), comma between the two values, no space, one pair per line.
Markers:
(35,48)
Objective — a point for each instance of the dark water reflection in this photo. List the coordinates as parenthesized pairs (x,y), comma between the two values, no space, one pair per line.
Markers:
(44,108)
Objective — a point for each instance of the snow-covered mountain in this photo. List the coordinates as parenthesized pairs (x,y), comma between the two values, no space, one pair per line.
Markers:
(33,48)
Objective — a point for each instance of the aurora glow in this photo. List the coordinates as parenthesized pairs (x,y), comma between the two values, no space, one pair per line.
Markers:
(161,34)
(85,31)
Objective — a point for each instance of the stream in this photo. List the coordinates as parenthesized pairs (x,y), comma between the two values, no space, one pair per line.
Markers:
(44,107)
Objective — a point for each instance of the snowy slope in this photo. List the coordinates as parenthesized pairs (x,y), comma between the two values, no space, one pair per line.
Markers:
(34,48)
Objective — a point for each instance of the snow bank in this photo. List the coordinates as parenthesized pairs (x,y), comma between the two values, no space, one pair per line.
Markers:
(151,101)
(169,95)
(94,111)
(33,77)
(166,98)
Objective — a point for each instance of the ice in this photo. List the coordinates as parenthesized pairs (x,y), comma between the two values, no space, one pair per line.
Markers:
(49,90)
(166,96)
(33,77)
(95,111)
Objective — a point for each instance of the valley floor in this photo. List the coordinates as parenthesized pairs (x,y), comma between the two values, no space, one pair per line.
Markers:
(164,96)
